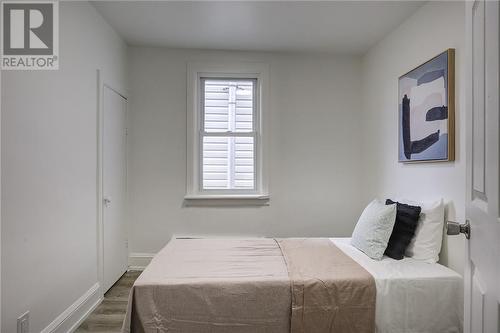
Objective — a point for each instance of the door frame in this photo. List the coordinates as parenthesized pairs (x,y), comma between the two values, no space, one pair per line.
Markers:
(467,297)
(102,83)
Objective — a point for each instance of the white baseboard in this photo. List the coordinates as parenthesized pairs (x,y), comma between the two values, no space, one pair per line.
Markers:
(139,261)
(75,314)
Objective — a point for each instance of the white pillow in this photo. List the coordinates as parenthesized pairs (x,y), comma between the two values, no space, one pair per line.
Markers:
(374,228)
(426,244)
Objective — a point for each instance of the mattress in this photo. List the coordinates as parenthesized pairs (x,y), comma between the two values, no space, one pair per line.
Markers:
(412,296)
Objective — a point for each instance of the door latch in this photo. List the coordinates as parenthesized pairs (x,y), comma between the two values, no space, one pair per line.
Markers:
(455,228)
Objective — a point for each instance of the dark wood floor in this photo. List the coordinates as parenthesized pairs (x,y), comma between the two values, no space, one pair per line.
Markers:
(108,316)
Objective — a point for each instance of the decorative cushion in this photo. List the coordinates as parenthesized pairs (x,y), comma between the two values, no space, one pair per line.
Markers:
(404,229)
(426,245)
(374,228)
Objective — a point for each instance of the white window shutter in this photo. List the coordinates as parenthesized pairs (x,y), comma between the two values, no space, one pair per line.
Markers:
(228,136)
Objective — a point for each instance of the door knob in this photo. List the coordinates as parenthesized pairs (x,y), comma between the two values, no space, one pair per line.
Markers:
(107,201)
(455,228)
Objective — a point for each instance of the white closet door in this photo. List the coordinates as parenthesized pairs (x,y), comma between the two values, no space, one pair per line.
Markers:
(114,187)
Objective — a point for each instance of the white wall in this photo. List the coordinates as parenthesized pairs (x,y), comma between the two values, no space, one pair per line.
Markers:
(314,149)
(48,140)
(431,30)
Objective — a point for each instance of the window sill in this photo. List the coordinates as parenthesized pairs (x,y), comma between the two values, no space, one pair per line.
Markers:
(227,199)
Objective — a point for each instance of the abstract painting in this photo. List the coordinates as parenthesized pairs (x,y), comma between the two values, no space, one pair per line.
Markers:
(426,111)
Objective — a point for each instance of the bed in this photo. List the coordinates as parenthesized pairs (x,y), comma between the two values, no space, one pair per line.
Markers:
(248,285)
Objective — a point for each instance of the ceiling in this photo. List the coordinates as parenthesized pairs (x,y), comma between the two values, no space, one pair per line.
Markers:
(344,27)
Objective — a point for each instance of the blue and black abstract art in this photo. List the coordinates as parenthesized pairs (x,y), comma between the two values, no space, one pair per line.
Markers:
(426,111)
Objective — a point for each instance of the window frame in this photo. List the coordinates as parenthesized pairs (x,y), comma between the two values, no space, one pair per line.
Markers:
(195,126)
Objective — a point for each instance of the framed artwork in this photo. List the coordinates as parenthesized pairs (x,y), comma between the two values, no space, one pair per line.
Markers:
(427,111)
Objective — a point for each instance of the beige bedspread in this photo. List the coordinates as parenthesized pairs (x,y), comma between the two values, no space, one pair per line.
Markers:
(244,285)
(330,291)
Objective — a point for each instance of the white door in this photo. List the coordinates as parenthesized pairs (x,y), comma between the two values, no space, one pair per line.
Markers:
(114,187)
(482,275)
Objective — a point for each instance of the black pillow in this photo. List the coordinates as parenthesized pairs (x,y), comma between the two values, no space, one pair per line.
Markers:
(404,229)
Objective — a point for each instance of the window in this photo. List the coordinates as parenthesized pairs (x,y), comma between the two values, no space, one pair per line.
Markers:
(225,141)
(228,134)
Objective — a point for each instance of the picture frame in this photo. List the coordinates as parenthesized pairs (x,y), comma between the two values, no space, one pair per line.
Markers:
(426,111)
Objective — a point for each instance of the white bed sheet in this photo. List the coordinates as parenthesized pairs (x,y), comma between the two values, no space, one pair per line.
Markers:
(412,296)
